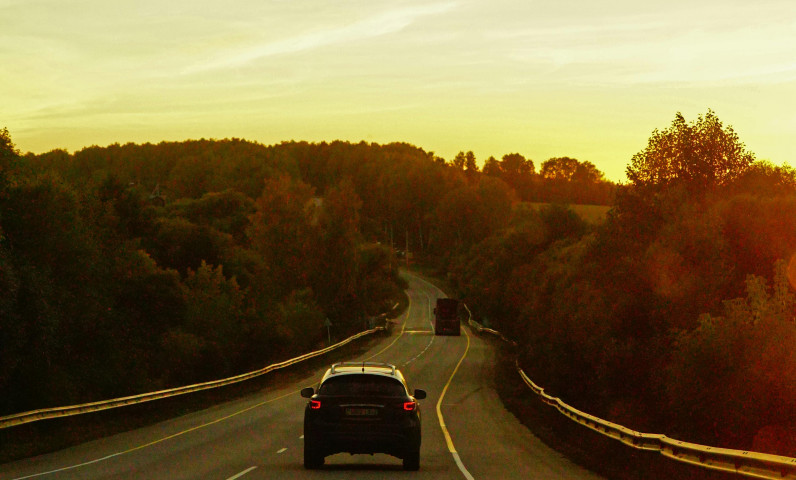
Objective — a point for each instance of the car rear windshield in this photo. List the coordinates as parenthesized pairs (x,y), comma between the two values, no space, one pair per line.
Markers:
(362,385)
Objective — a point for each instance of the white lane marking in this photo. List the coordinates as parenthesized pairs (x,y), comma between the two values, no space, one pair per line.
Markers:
(461,466)
(430,312)
(421,353)
(139,447)
(403,327)
(432,331)
(154,442)
(428,302)
(282,450)
(71,467)
(242,473)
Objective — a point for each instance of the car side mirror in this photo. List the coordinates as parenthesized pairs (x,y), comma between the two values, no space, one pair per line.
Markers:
(420,394)
(307,392)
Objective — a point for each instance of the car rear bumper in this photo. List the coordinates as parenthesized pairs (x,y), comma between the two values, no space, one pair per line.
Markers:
(355,440)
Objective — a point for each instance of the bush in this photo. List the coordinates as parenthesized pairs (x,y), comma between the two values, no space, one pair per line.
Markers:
(735,375)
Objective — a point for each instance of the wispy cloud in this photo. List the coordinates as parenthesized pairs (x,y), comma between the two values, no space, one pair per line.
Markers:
(655,53)
(381,24)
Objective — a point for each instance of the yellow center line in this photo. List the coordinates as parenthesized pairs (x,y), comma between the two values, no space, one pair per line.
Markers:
(448,440)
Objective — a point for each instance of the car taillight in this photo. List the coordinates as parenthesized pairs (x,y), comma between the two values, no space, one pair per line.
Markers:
(410,406)
(315,404)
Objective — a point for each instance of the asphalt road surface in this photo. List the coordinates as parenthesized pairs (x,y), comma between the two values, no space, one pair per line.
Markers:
(467,433)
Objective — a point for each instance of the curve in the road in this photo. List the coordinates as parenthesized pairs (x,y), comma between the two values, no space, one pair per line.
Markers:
(237,413)
(448,439)
(254,438)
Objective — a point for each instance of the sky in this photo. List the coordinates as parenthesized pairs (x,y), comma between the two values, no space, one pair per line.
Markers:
(584,79)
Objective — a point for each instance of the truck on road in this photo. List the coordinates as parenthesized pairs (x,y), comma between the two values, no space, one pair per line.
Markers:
(446,317)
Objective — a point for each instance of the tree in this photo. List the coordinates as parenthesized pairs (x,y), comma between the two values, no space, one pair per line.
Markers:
(227,211)
(126,208)
(459,161)
(13,330)
(561,222)
(763,178)
(207,343)
(283,231)
(492,167)
(378,278)
(758,230)
(517,172)
(8,152)
(587,172)
(336,258)
(8,156)
(181,244)
(698,156)
(469,213)
(566,179)
(495,201)
(470,166)
(10,332)
(736,373)
(559,168)
(190,176)
(571,170)
(303,319)
(514,165)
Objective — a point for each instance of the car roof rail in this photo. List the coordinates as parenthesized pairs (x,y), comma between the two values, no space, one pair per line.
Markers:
(389,366)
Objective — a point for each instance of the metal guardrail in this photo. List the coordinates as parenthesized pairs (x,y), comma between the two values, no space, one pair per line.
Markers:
(750,464)
(58,412)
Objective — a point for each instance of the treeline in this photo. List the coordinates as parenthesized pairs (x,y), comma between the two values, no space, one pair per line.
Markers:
(677,315)
(130,268)
(110,286)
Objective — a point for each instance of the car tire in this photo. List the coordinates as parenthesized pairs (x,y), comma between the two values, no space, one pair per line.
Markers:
(412,460)
(313,459)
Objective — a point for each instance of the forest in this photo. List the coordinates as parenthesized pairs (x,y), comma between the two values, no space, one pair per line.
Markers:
(133,267)
(676,315)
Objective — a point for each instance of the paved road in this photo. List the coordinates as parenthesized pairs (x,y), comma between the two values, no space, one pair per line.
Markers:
(466,431)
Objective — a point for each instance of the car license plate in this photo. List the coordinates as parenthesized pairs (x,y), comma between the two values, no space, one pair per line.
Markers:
(361,412)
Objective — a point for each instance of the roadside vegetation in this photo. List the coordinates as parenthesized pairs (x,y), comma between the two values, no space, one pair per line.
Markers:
(675,315)
(131,268)
(665,304)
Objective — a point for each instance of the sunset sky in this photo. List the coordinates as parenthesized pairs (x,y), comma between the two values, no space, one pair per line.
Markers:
(586,79)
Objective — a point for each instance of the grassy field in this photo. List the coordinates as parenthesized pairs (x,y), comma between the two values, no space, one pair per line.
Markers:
(594,214)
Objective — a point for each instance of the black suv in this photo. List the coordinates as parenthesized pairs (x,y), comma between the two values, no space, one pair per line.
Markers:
(362,407)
